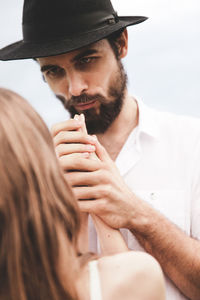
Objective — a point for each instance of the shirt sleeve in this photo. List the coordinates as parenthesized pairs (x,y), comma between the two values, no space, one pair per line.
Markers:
(195,192)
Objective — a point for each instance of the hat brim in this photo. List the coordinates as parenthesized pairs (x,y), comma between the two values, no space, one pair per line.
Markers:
(25,50)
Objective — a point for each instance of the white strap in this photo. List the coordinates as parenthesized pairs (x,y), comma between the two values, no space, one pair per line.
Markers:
(95,285)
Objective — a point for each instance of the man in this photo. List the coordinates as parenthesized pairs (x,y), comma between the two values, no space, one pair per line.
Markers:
(156,192)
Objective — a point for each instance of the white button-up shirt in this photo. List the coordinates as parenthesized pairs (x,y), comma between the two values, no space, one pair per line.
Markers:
(160,163)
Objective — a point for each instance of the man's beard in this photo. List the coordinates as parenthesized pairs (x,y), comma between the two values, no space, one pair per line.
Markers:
(99,122)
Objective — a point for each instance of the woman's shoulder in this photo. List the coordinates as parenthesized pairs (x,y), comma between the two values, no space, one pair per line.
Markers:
(130,275)
(129,261)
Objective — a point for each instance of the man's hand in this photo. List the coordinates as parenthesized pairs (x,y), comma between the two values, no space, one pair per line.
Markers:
(72,144)
(102,191)
(96,183)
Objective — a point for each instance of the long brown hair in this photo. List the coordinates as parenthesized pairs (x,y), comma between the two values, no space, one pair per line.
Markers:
(34,198)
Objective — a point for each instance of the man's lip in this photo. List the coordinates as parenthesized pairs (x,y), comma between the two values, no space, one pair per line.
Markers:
(84,106)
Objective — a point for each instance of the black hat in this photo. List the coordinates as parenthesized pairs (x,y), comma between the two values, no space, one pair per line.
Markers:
(55,27)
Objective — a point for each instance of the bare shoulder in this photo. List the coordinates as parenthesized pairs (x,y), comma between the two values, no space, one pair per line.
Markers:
(131,275)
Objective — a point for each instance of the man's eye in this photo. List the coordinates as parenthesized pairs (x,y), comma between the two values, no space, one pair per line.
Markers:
(86,60)
(55,72)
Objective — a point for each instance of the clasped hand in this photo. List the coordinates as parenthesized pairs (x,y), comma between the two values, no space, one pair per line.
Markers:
(96,183)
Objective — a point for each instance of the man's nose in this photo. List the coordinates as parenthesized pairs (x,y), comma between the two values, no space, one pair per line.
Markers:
(77,84)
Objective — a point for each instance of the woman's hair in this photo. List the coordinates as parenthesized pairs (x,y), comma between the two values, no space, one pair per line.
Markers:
(34,201)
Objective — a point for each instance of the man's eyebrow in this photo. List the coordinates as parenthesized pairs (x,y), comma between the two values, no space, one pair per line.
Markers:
(47,67)
(83,54)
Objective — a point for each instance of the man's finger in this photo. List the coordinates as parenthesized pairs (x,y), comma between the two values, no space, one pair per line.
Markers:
(64,149)
(78,161)
(69,125)
(101,152)
(92,206)
(91,192)
(73,137)
(82,178)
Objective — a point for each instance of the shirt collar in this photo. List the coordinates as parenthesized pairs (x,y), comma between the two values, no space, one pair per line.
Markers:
(147,123)
(131,151)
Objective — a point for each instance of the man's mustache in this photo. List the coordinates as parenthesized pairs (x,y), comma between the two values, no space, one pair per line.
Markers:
(83,98)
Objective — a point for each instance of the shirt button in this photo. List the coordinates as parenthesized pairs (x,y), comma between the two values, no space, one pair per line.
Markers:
(153,196)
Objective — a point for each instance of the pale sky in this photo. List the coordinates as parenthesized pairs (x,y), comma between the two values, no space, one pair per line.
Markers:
(163,63)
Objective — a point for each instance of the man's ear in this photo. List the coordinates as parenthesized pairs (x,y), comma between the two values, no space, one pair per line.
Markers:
(122,44)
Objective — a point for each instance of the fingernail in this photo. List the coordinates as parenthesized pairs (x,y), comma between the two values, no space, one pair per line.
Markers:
(78,119)
(85,154)
(92,139)
(90,147)
(95,137)
(82,117)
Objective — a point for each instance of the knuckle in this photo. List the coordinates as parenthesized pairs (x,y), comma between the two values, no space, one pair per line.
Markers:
(68,179)
(61,135)
(106,190)
(104,176)
(83,137)
(62,162)
(101,176)
(66,163)
(53,130)
(101,206)
(78,162)
(69,162)
(104,166)
(58,150)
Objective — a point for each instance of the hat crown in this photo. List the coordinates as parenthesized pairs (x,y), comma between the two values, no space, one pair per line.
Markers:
(50,20)
(55,27)
(52,11)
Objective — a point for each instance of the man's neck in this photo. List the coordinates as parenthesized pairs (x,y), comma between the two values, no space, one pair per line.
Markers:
(116,135)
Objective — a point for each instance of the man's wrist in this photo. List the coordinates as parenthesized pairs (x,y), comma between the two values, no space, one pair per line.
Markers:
(142,216)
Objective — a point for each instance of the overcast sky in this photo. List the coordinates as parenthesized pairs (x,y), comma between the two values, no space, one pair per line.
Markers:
(163,62)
